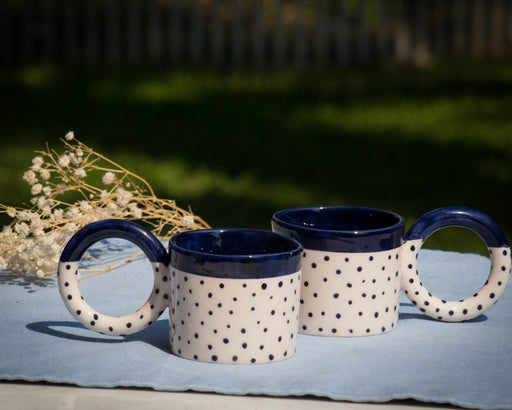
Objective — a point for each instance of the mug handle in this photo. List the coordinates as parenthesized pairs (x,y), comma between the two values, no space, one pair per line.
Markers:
(487,296)
(68,277)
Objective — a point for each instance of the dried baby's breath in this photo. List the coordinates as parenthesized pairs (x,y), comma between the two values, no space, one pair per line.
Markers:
(33,241)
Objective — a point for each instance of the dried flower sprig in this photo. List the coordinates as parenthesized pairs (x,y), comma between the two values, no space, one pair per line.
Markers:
(33,241)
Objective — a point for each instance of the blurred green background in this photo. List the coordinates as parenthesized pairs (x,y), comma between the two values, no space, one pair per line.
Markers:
(238,144)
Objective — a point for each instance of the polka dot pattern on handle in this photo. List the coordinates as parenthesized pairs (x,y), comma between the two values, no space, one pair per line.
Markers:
(487,296)
(68,277)
(111,325)
(454,310)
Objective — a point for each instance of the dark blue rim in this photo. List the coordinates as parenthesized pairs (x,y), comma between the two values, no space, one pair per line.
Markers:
(341,228)
(235,253)
(460,216)
(114,228)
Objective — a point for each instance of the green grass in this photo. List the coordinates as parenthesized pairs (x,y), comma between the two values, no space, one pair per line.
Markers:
(237,146)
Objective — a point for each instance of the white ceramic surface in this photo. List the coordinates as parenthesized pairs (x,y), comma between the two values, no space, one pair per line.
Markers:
(234,321)
(349,294)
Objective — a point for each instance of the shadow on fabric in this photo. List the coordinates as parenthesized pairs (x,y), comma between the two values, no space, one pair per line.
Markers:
(156,335)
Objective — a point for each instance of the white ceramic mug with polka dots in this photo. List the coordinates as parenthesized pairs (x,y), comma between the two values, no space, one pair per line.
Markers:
(356,261)
(233,294)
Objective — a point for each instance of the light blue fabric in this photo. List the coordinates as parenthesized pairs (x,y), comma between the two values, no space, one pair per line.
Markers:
(467,364)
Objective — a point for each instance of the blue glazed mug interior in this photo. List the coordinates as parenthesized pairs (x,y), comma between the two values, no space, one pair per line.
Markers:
(235,253)
(339,218)
(341,228)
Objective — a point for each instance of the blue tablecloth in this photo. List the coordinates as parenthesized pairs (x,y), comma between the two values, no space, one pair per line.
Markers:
(467,364)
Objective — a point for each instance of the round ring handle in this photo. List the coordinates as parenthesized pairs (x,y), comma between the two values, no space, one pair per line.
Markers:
(487,296)
(68,277)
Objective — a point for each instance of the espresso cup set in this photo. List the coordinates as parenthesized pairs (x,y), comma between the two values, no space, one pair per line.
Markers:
(241,296)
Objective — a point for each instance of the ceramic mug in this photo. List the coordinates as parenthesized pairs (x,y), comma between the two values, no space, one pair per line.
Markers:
(233,294)
(356,261)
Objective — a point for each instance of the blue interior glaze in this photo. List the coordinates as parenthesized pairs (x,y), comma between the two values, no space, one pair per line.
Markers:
(114,228)
(341,228)
(480,223)
(234,253)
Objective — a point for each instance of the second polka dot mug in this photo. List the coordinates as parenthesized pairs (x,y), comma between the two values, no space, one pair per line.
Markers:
(233,294)
(356,261)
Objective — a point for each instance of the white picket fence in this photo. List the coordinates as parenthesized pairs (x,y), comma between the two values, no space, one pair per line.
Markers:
(260,33)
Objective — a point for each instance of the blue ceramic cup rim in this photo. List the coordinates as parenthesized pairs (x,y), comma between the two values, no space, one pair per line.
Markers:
(235,253)
(341,228)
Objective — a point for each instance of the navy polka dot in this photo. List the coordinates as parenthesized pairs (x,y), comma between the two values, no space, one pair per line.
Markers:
(275,293)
